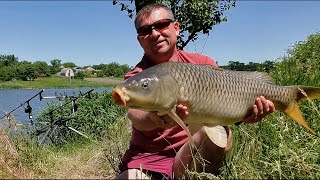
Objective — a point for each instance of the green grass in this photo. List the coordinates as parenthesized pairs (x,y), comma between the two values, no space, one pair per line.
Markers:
(80,159)
(275,148)
(57,82)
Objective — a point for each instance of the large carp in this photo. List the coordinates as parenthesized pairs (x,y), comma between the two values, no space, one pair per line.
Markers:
(214,97)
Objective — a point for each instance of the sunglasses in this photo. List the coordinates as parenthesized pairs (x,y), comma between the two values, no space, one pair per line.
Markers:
(158,26)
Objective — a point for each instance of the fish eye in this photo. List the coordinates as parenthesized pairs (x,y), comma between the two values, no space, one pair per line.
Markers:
(145,84)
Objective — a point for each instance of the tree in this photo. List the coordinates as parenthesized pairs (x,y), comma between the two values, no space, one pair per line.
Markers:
(7,73)
(55,66)
(8,60)
(194,16)
(236,66)
(267,66)
(99,67)
(69,65)
(26,72)
(42,68)
(125,68)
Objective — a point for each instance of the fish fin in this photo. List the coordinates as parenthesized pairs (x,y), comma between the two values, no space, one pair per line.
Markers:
(217,135)
(176,118)
(307,92)
(212,67)
(294,112)
(255,75)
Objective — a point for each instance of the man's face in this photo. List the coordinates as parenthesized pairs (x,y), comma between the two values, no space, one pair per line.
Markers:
(158,42)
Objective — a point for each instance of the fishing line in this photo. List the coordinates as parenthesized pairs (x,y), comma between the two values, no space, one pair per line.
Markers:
(73,99)
(205,43)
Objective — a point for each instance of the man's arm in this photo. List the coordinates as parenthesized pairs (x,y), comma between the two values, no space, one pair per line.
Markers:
(146,121)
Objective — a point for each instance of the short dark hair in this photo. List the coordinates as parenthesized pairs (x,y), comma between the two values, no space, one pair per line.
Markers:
(148,9)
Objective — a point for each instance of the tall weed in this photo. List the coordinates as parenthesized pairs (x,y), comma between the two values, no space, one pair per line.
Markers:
(277,147)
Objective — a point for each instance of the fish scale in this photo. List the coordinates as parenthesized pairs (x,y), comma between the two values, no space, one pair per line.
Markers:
(213,96)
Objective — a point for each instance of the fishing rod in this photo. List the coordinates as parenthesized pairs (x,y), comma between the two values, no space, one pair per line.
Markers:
(28,108)
(49,129)
(73,99)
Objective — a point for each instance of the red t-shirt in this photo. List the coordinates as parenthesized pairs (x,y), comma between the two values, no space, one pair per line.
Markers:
(155,150)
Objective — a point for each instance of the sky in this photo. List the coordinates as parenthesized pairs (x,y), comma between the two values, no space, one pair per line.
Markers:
(94,32)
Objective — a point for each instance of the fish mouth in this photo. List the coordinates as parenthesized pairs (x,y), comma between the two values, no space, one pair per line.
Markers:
(119,97)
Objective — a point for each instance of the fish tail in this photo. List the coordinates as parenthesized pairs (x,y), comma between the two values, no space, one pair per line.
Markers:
(293,110)
(307,92)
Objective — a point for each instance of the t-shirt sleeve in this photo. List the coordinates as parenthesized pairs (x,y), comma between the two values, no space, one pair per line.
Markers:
(143,64)
(208,60)
(196,58)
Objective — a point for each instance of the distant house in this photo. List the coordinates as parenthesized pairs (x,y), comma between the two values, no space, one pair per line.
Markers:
(68,72)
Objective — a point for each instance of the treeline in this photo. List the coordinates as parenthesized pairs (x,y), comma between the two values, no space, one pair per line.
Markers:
(111,69)
(13,69)
(266,66)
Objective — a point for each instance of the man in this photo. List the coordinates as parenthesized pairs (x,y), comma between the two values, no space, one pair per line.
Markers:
(159,146)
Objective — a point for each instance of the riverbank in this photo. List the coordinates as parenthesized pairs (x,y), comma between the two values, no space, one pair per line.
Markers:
(87,159)
(61,82)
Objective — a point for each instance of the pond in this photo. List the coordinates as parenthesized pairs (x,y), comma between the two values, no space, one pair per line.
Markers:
(13,98)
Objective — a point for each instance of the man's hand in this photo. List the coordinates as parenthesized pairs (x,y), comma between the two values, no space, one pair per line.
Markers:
(167,122)
(182,111)
(261,108)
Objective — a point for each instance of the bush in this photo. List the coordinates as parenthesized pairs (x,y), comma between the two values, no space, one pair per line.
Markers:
(301,66)
(92,117)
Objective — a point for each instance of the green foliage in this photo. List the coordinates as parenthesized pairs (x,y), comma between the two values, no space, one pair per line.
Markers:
(96,114)
(277,144)
(93,116)
(79,75)
(301,66)
(26,72)
(55,82)
(55,66)
(42,68)
(199,17)
(8,60)
(113,69)
(7,73)
(11,69)
(69,65)
(251,66)
(195,17)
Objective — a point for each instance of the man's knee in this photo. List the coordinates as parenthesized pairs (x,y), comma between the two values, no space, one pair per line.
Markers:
(204,136)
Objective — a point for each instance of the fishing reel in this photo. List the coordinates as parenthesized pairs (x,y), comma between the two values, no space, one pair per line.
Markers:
(28,109)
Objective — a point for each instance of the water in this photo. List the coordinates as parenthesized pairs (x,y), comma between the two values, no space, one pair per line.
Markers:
(12,98)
